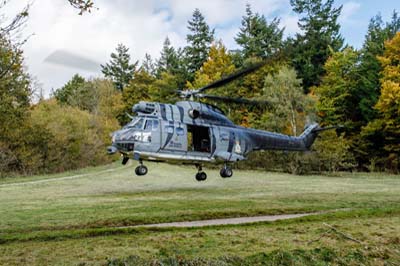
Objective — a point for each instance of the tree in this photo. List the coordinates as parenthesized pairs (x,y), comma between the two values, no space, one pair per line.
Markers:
(169,61)
(199,41)
(310,49)
(337,94)
(82,5)
(64,94)
(137,90)
(119,69)
(164,88)
(257,37)
(285,93)
(370,68)
(218,65)
(388,104)
(148,65)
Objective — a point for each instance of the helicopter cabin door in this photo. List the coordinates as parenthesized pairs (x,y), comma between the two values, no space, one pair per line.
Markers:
(198,138)
(174,136)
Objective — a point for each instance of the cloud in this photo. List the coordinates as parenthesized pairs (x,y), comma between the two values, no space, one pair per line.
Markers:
(140,25)
(348,10)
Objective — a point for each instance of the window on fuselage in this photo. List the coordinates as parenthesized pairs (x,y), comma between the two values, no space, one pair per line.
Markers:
(136,123)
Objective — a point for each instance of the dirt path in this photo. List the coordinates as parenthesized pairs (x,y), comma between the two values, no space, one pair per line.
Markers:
(227,221)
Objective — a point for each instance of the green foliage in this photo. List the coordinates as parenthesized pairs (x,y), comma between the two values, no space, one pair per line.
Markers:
(257,37)
(337,95)
(310,50)
(164,88)
(75,138)
(218,65)
(119,69)
(370,68)
(387,125)
(148,65)
(168,61)
(285,93)
(15,91)
(199,42)
(138,89)
(65,94)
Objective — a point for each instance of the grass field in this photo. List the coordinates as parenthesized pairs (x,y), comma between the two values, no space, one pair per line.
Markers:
(72,218)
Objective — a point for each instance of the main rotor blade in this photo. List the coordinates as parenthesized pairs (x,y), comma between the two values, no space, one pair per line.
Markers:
(236,100)
(231,77)
(72,60)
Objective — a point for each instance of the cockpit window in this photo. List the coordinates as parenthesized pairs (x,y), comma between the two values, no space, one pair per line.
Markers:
(136,123)
(149,125)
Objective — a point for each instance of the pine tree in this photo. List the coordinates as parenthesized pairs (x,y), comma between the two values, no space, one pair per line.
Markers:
(119,69)
(257,37)
(199,42)
(169,61)
(370,67)
(310,50)
(148,65)
(381,136)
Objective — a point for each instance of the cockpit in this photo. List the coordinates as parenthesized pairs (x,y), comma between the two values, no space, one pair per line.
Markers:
(137,123)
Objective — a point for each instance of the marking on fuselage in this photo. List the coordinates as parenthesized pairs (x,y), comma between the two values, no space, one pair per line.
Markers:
(170,135)
(172,112)
(163,111)
(231,141)
(214,144)
(181,112)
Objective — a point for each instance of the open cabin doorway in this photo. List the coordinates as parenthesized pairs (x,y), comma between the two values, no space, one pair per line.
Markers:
(198,139)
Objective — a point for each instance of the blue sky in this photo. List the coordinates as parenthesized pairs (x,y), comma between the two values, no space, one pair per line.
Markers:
(143,26)
(355,28)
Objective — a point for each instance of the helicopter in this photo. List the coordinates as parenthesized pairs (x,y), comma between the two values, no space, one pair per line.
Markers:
(193,132)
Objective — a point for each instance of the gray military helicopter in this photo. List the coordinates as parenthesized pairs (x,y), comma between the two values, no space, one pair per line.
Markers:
(192,132)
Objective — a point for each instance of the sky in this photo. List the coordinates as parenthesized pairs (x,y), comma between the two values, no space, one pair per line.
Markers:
(58,33)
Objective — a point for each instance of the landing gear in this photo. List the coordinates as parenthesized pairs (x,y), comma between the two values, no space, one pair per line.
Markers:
(226,172)
(200,176)
(141,169)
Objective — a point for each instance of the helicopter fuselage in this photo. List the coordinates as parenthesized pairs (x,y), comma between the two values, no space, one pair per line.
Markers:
(196,133)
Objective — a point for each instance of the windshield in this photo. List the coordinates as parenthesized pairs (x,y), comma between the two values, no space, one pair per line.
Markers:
(135,123)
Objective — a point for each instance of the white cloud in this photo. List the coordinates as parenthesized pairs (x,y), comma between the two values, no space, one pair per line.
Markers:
(140,25)
(348,10)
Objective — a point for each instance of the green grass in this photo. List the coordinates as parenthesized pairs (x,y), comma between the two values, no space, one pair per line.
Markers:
(67,221)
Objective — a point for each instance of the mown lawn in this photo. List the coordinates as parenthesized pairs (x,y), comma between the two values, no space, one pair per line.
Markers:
(68,220)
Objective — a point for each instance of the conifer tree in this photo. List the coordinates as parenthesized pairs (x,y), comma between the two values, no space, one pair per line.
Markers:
(169,61)
(310,49)
(199,42)
(119,69)
(257,37)
(148,65)
(370,67)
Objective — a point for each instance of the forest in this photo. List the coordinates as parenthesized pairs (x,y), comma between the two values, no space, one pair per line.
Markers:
(311,76)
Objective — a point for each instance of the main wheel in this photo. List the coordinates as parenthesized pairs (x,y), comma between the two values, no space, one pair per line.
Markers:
(226,172)
(141,170)
(201,176)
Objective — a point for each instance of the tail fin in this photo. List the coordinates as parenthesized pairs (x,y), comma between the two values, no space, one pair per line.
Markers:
(311,133)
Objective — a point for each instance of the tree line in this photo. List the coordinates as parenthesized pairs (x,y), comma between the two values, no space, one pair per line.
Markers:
(312,76)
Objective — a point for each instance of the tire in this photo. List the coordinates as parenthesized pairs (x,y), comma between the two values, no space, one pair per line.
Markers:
(201,176)
(222,173)
(141,170)
(228,172)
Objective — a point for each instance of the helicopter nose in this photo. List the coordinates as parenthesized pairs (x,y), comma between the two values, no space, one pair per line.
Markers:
(111,150)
